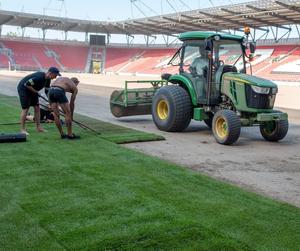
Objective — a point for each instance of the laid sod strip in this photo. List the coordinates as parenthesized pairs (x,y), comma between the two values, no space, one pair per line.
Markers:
(92,194)
(110,132)
(115,133)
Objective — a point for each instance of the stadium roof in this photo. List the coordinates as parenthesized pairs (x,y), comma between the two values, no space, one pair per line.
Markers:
(255,14)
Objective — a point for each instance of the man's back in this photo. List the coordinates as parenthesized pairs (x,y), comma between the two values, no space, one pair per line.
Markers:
(65,83)
(37,80)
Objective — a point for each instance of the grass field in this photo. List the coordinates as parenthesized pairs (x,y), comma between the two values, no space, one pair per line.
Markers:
(93,194)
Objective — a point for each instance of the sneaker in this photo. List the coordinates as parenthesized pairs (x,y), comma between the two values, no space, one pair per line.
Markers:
(63,136)
(73,136)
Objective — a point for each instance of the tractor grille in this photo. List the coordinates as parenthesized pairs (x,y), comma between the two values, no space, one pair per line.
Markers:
(259,101)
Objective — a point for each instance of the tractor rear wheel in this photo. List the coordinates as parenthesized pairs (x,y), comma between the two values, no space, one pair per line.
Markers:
(274,130)
(226,127)
(172,108)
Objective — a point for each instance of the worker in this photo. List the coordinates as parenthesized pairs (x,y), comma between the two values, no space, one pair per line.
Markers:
(58,99)
(28,89)
(200,63)
(46,115)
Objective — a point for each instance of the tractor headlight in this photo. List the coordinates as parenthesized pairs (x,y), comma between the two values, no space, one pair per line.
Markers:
(260,90)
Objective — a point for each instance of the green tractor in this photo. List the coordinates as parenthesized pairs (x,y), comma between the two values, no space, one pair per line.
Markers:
(212,85)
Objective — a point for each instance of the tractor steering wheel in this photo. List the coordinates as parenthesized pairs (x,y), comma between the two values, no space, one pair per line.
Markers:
(217,64)
(221,62)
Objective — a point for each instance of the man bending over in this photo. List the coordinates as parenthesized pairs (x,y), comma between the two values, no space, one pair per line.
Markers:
(28,89)
(58,99)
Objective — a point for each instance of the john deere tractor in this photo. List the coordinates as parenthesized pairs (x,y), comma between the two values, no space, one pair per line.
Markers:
(212,85)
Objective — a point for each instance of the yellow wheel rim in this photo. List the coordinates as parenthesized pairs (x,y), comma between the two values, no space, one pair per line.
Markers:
(162,109)
(221,128)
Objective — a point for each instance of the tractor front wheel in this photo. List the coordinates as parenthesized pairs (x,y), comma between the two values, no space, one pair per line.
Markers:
(226,127)
(172,108)
(274,130)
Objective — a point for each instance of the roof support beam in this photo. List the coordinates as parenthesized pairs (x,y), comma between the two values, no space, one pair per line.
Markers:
(244,24)
(161,28)
(44,33)
(293,21)
(23,31)
(184,22)
(227,20)
(122,30)
(140,29)
(29,23)
(175,30)
(129,39)
(203,22)
(7,20)
(259,20)
(70,27)
(166,39)
(147,40)
(104,28)
(288,6)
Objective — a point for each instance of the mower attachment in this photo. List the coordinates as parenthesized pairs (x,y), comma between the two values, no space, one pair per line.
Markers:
(138,101)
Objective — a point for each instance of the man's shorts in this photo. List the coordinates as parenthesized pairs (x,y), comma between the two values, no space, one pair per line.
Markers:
(57,95)
(27,99)
(46,115)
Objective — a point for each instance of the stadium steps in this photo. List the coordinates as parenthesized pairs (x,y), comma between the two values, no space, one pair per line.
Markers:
(39,65)
(8,56)
(53,54)
(72,57)
(88,60)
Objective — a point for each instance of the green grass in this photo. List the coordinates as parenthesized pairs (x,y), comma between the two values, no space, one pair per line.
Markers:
(92,194)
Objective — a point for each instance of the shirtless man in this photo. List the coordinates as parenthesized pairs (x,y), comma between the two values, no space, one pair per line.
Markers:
(58,98)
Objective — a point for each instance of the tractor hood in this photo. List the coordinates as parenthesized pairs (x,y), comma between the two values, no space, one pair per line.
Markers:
(249,79)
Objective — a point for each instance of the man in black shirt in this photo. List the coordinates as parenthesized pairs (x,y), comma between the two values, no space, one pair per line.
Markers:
(28,89)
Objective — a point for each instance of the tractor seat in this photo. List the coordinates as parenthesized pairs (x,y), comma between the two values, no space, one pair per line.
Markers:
(223,69)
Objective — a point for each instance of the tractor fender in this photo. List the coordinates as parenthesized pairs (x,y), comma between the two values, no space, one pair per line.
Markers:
(186,84)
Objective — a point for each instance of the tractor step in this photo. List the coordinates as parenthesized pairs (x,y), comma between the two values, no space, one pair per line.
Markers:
(261,117)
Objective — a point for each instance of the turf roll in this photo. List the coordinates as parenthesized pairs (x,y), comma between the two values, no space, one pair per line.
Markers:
(12,137)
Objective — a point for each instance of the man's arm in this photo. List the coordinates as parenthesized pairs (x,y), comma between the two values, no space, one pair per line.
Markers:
(30,88)
(72,88)
(72,100)
(30,83)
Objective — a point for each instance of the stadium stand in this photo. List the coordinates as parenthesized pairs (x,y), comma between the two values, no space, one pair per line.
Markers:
(29,55)
(71,57)
(275,62)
